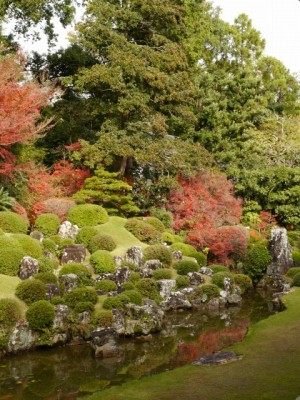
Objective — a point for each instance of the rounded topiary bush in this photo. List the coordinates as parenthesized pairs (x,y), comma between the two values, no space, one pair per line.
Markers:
(84,275)
(164,273)
(46,277)
(101,242)
(143,231)
(168,237)
(11,254)
(81,294)
(47,223)
(158,252)
(296,280)
(209,290)
(107,285)
(156,223)
(87,215)
(65,242)
(13,223)
(292,272)
(47,264)
(243,281)
(134,277)
(182,281)
(148,288)
(103,318)
(186,249)
(49,245)
(183,267)
(256,262)
(103,262)
(84,306)
(10,313)
(40,315)
(218,278)
(134,296)
(128,286)
(200,258)
(32,247)
(218,268)
(85,234)
(163,215)
(31,290)
(117,301)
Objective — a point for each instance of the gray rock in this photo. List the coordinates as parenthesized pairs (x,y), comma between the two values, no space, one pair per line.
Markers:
(195,278)
(142,320)
(84,318)
(29,266)
(67,230)
(37,235)
(104,342)
(62,313)
(22,338)
(206,271)
(218,358)
(233,298)
(166,286)
(227,284)
(73,253)
(135,256)
(176,301)
(281,253)
(52,290)
(69,281)
(122,275)
(149,267)
(177,255)
(118,261)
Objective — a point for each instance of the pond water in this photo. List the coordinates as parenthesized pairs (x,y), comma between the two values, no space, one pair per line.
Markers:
(71,372)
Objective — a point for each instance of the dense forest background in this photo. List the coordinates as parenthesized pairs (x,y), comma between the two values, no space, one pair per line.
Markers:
(156,108)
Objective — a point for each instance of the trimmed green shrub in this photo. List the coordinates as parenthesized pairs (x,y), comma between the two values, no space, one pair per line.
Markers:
(10,256)
(134,277)
(182,281)
(47,264)
(156,223)
(243,281)
(13,223)
(218,278)
(31,290)
(103,262)
(296,280)
(130,265)
(103,318)
(292,272)
(294,239)
(84,275)
(143,231)
(32,247)
(40,315)
(186,249)
(256,262)
(134,296)
(65,242)
(47,223)
(85,234)
(158,252)
(81,294)
(163,273)
(168,237)
(296,257)
(163,215)
(148,288)
(210,290)
(183,267)
(87,215)
(116,301)
(84,306)
(56,239)
(46,277)
(10,313)
(107,285)
(218,268)
(200,258)
(128,286)
(49,245)
(101,242)
(57,300)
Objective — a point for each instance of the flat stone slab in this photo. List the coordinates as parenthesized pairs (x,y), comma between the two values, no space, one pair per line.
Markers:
(221,357)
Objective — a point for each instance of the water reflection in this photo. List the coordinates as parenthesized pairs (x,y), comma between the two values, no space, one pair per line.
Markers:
(72,371)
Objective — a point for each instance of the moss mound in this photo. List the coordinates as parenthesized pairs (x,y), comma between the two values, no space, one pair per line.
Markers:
(87,215)
(13,223)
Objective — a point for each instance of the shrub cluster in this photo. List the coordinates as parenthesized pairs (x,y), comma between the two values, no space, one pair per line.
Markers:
(200,258)
(11,255)
(87,215)
(296,280)
(84,275)
(256,261)
(164,273)
(107,285)
(101,242)
(117,301)
(103,318)
(148,288)
(293,271)
(47,264)
(31,290)
(32,247)
(158,252)
(218,278)
(143,231)
(46,277)
(10,313)
(182,281)
(296,257)
(79,295)
(210,290)
(47,223)
(163,215)
(186,249)
(218,268)
(128,286)
(49,245)
(243,281)
(103,262)
(155,222)
(183,267)
(134,296)
(85,234)
(82,306)
(40,315)
(167,237)
(13,223)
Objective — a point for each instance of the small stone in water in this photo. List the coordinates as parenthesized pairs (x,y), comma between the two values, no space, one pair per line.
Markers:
(218,358)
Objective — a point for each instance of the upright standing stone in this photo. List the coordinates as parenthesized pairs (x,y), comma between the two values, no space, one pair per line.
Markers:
(73,253)
(135,256)
(29,266)
(281,253)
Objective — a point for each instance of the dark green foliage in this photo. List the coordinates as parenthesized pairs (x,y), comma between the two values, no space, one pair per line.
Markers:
(57,300)
(218,268)
(256,261)
(84,275)
(85,234)
(128,286)
(103,262)
(158,252)
(101,242)
(49,245)
(47,223)
(156,223)
(47,264)
(134,296)
(31,247)
(107,285)
(46,277)
(83,306)
(186,249)
(182,281)
(13,223)
(183,267)
(6,201)
(200,257)
(148,288)
(296,280)
(163,215)
(81,294)
(293,271)
(103,318)
(210,290)
(11,255)
(31,290)
(10,313)
(163,273)
(243,281)
(143,231)
(218,278)
(116,301)
(296,257)
(87,215)
(40,315)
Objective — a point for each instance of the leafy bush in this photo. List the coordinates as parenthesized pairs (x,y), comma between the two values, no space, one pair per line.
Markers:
(11,254)
(10,313)
(210,290)
(49,245)
(107,285)
(218,278)
(84,275)
(48,224)
(47,264)
(155,222)
(65,242)
(134,277)
(186,249)
(85,234)
(296,257)
(57,300)
(200,257)
(87,215)
(182,281)
(293,271)
(40,315)
(128,286)
(103,262)
(243,281)
(79,295)
(256,261)
(116,301)
(296,280)
(158,252)
(31,246)
(183,267)
(83,306)
(143,231)
(294,239)
(163,273)
(163,215)
(46,277)
(128,264)
(168,237)
(31,290)
(101,242)
(103,318)
(13,223)
(134,296)
(148,288)
(218,268)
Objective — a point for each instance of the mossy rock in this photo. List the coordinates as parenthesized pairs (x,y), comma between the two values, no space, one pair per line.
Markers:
(87,215)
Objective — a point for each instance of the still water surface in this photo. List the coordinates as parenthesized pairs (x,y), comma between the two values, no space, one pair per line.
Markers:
(71,372)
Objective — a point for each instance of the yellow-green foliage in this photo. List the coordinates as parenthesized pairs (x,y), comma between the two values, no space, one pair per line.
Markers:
(31,290)
(40,315)
(47,223)
(87,215)
(103,262)
(11,254)
(31,246)
(13,223)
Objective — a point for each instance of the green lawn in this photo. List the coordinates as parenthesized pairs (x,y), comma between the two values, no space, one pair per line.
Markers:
(269,370)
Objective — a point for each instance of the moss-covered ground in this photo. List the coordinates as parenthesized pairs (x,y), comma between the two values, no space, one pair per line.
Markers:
(269,370)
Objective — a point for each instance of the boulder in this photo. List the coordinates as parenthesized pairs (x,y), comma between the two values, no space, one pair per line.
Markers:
(29,266)
(22,338)
(176,301)
(69,281)
(142,320)
(67,230)
(104,342)
(195,278)
(52,290)
(37,235)
(135,256)
(206,271)
(149,267)
(177,255)
(62,313)
(122,275)
(118,261)
(166,286)
(281,253)
(84,318)
(73,253)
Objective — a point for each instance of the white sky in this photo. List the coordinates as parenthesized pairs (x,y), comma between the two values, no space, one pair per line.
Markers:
(277,20)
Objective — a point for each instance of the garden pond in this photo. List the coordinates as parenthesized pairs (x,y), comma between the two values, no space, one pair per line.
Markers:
(72,371)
